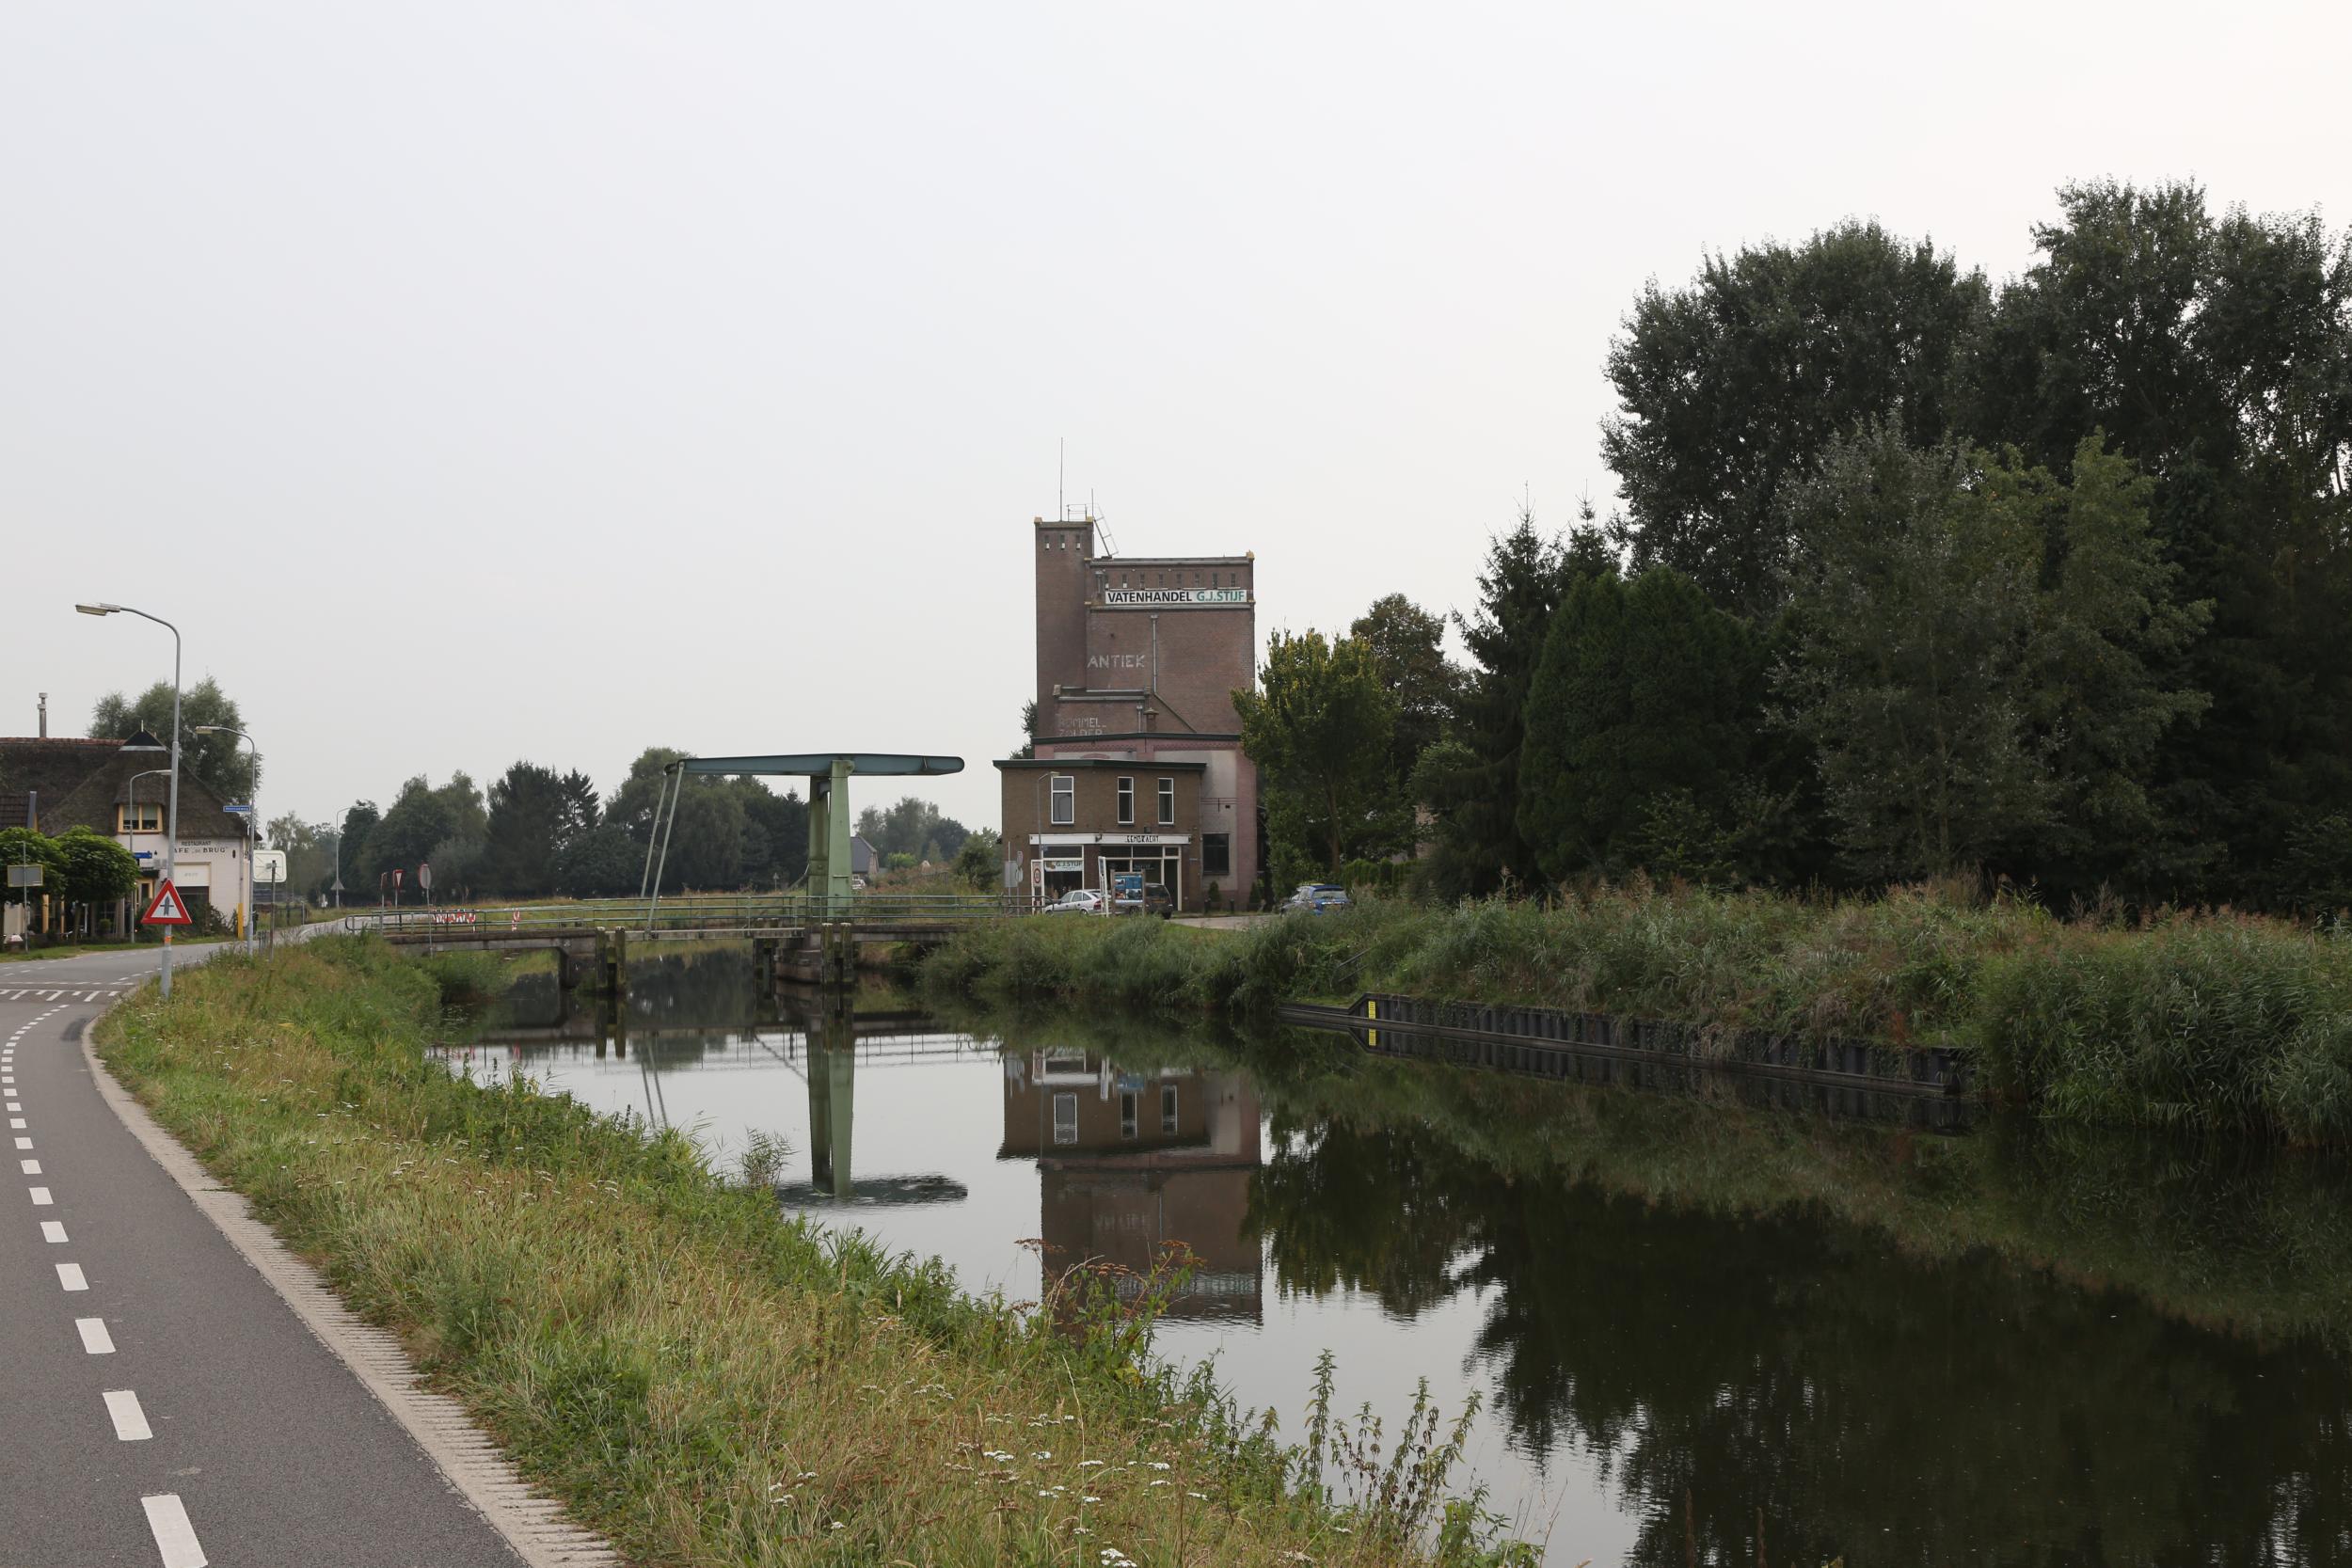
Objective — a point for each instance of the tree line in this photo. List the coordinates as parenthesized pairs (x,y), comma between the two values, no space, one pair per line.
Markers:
(536,833)
(1913,575)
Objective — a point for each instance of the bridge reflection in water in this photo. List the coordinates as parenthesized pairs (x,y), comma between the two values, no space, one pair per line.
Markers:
(1127,1162)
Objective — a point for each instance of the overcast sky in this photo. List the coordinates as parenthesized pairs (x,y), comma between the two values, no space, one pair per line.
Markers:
(474,381)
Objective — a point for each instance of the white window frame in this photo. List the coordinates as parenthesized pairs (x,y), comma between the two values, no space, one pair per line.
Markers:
(1167,803)
(1063,791)
(1065,1118)
(1126,802)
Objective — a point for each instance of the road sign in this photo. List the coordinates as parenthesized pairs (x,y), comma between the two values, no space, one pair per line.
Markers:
(269,865)
(424,875)
(25,876)
(238,808)
(168,907)
(396,875)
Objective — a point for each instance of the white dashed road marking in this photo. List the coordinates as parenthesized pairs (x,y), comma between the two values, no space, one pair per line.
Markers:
(32,1167)
(51,1231)
(40,1198)
(95,1339)
(70,1278)
(122,1407)
(174,1536)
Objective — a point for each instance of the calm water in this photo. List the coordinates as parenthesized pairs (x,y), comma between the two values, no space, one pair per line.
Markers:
(1687,1319)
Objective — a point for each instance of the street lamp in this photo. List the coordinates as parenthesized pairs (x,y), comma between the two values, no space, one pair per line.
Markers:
(252,830)
(171,810)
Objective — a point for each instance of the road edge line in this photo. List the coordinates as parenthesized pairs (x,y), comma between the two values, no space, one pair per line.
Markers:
(535,1528)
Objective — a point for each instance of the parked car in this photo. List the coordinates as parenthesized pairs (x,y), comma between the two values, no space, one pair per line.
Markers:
(1078,900)
(1154,899)
(1315,898)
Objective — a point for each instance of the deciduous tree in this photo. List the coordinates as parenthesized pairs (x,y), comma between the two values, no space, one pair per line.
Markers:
(1319,727)
(220,760)
(1978,661)
(1729,389)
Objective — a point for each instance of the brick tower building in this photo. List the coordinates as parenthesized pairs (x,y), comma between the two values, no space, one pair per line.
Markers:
(1139,767)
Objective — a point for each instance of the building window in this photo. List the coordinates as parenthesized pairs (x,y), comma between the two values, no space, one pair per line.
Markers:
(1167,803)
(1126,802)
(1065,1118)
(1167,1107)
(141,818)
(1127,1114)
(1065,790)
(1217,854)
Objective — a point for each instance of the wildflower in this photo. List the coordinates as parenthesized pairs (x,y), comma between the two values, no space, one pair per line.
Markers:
(1159,1464)
(1201,1495)
(1042,1453)
(1089,1463)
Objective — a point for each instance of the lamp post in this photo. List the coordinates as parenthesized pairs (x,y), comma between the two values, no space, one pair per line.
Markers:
(252,829)
(171,809)
(132,786)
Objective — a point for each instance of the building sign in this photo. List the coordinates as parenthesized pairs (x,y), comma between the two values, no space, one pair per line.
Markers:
(1066,843)
(1121,598)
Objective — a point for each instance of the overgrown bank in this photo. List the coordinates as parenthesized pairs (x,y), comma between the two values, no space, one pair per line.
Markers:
(702,1381)
(2207,1021)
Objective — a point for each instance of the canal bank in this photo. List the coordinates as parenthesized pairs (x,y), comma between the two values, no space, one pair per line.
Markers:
(1683,1318)
(696,1380)
(2209,1022)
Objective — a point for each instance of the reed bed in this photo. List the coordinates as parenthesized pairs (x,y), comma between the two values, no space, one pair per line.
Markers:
(2203,1021)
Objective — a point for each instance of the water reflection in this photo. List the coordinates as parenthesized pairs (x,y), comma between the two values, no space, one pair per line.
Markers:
(1706,1333)
(1130,1161)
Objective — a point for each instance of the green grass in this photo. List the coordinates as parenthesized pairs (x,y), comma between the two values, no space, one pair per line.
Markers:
(704,1380)
(2205,1021)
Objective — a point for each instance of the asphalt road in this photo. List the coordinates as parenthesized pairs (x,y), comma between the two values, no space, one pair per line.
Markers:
(159,1403)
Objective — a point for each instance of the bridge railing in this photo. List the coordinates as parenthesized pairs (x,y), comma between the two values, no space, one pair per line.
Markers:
(702,911)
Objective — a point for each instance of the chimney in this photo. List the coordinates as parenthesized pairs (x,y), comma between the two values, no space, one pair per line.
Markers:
(45,716)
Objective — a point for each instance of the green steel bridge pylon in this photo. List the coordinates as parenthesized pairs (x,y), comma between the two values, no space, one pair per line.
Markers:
(830,818)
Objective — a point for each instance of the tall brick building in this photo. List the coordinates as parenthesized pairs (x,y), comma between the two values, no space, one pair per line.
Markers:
(1139,764)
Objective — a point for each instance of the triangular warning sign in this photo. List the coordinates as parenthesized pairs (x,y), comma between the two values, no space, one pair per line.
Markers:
(168,909)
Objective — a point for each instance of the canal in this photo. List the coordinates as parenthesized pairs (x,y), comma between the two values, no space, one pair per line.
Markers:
(1700,1332)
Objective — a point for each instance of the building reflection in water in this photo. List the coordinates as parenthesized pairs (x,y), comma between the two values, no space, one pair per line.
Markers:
(1128,1162)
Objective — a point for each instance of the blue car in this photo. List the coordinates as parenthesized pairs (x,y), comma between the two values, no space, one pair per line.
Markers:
(1315,898)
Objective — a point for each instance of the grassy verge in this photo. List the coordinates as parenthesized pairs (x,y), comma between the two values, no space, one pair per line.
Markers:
(2205,1021)
(76,949)
(702,1381)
